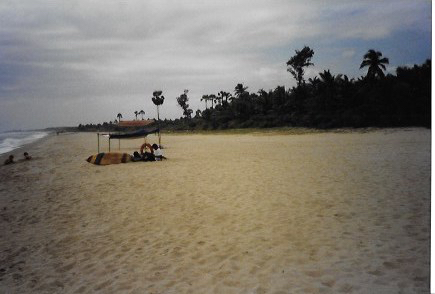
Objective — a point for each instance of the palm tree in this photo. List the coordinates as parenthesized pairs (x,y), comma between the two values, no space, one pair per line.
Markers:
(327,88)
(119,116)
(225,95)
(135,114)
(158,100)
(212,97)
(220,97)
(264,100)
(298,62)
(240,90)
(142,113)
(373,59)
(205,98)
(329,79)
(198,113)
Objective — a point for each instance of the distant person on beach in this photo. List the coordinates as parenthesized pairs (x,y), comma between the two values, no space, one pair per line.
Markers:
(136,156)
(147,156)
(27,156)
(158,153)
(10,160)
(154,154)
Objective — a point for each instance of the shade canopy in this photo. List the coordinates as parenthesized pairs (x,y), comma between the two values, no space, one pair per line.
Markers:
(135,123)
(136,134)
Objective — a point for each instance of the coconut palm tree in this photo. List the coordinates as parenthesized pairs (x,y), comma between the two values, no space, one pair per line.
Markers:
(142,113)
(135,114)
(225,95)
(205,98)
(219,98)
(119,116)
(239,90)
(298,62)
(212,97)
(376,64)
(327,88)
(158,100)
(264,101)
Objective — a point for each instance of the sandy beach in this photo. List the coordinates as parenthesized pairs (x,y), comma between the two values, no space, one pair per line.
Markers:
(333,212)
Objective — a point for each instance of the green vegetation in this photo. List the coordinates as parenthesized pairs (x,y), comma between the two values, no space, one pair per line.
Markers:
(182,101)
(297,63)
(325,101)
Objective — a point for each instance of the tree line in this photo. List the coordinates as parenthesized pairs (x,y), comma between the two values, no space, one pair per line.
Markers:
(326,101)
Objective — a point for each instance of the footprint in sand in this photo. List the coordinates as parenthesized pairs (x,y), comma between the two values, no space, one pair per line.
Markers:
(103,285)
(390,265)
(314,273)
(376,272)
(67,267)
(346,288)
(328,281)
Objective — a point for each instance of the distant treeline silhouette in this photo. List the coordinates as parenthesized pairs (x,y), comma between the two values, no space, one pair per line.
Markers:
(325,101)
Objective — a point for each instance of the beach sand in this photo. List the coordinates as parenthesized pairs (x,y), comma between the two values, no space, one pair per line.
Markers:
(334,212)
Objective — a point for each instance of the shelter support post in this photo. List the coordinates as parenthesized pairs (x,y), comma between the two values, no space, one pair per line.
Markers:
(109,144)
(98,142)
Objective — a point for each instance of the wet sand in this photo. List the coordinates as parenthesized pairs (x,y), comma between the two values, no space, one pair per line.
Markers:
(345,212)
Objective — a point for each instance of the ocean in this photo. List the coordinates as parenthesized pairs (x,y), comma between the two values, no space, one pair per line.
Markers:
(13,140)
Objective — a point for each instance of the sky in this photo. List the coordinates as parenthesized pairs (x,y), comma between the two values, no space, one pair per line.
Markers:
(63,63)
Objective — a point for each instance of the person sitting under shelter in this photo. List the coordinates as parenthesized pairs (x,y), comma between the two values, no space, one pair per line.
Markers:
(158,153)
(147,156)
(136,156)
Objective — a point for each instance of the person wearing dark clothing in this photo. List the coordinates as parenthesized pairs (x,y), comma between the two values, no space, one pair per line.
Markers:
(10,160)
(136,156)
(147,156)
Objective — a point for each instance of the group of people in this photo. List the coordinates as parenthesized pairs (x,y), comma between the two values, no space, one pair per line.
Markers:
(10,159)
(155,153)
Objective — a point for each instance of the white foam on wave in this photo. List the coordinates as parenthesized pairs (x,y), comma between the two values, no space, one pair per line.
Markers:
(13,140)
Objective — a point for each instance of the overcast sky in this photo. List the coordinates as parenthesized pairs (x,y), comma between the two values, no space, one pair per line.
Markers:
(68,62)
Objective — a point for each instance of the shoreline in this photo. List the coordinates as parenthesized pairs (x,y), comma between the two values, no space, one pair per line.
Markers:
(25,148)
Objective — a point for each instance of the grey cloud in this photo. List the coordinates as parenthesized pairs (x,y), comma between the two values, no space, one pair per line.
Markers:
(115,53)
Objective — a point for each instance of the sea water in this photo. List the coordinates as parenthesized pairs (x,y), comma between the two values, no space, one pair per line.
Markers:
(13,140)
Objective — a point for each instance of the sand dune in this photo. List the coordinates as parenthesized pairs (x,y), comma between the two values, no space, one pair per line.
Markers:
(254,213)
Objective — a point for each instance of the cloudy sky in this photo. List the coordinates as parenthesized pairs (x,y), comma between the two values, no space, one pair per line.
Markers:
(68,62)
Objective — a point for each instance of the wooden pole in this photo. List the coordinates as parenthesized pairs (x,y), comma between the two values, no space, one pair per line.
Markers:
(109,143)
(119,143)
(98,140)
(158,124)
(160,139)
